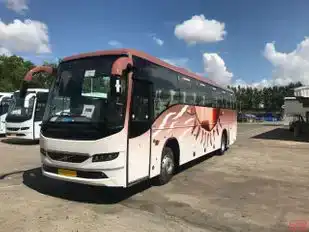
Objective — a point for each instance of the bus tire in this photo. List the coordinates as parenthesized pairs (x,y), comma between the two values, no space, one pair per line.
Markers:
(223,145)
(167,166)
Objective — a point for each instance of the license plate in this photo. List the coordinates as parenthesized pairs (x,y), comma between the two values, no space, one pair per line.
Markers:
(65,172)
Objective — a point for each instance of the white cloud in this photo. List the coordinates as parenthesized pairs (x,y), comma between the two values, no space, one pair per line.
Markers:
(215,69)
(258,84)
(19,6)
(28,36)
(239,82)
(180,62)
(289,67)
(114,43)
(156,39)
(5,52)
(160,42)
(198,29)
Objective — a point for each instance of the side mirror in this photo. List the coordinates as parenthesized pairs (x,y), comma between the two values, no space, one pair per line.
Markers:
(23,89)
(29,76)
(48,69)
(120,65)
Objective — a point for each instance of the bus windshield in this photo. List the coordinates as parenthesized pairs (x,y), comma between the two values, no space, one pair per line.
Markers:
(85,92)
(22,107)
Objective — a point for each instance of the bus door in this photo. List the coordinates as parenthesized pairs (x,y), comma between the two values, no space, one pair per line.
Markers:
(139,134)
(40,105)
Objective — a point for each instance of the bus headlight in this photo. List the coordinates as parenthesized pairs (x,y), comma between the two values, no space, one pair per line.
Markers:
(105,157)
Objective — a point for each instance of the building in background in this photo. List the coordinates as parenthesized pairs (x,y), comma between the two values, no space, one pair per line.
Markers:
(296,107)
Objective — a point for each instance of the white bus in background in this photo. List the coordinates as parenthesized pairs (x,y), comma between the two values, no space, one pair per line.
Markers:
(26,114)
(5,103)
(296,109)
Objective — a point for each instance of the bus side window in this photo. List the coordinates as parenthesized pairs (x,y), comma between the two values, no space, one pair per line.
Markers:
(188,90)
(214,97)
(201,94)
(224,99)
(40,106)
(158,102)
(5,105)
(165,89)
(183,98)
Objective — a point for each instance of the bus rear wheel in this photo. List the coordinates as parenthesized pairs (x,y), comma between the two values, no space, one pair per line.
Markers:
(223,145)
(167,166)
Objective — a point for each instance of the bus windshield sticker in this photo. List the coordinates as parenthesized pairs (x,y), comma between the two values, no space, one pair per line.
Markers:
(89,73)
(88,111)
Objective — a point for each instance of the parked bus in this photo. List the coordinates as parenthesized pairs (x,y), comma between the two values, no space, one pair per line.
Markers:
(146,119)
(5,102)
(25,118)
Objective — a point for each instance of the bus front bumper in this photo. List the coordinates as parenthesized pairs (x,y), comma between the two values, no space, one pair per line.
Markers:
(19,130)
(88,177)
(24,135)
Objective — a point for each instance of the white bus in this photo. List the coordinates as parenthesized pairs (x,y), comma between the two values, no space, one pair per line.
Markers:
(26,114)
(5,103)
(143,119)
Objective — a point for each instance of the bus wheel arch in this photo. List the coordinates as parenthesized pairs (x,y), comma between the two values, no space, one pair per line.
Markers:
(169,161)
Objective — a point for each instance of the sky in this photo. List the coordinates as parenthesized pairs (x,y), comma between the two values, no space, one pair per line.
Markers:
(239,42)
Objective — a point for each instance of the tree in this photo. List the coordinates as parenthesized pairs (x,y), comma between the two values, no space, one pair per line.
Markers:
(43,80)
(271,98)
(12,71)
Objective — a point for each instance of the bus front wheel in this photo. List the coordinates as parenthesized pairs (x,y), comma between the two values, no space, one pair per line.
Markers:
(167,166)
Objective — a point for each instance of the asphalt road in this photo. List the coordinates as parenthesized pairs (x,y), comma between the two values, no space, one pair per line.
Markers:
(260,184)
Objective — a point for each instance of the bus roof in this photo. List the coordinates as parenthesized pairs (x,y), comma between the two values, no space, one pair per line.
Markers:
(149,58)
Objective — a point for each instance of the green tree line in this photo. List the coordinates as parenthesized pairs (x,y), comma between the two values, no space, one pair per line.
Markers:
(14,68)
(267,99)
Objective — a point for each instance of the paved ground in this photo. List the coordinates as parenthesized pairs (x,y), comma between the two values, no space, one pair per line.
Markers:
(261,184)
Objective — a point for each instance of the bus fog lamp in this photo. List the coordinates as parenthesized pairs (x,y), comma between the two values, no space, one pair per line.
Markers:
(105,157)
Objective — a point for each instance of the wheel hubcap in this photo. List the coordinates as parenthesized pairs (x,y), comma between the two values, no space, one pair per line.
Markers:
(167,164)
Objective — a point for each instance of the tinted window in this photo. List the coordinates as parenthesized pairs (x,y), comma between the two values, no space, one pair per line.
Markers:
(165,91)
(5,105)
(200,94)
(141,112)
(187,88)
(171,88)
(40,106)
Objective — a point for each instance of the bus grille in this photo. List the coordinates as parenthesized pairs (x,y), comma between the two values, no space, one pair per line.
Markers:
(67,157)
(12,128)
